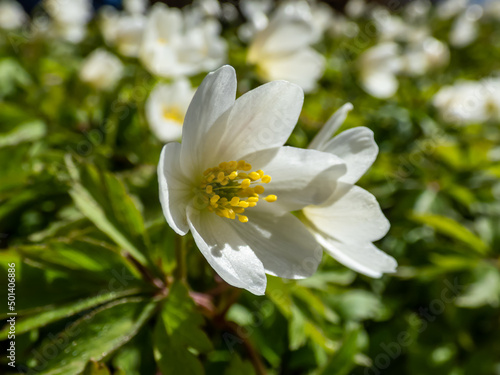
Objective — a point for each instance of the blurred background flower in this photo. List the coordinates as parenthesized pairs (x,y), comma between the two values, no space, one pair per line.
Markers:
(91,90)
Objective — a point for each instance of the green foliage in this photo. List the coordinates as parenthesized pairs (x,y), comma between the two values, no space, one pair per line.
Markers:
(104,286)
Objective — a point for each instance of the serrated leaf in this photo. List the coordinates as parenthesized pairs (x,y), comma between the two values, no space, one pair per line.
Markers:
(453,229)
(94,336)
(177,332)
(103,199)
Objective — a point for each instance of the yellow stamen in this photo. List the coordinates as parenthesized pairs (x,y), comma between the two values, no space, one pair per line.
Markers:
(266,179)
(228,191)
(271,198)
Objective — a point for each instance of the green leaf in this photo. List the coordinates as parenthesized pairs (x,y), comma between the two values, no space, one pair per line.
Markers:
(239,366)
(103,199)
(453,229)
(27,132)
(343,361)
(93,337)
(178,333)
(96,368)
(48,314)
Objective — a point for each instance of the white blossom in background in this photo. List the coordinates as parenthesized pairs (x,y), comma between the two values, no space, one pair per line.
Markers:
(135,6)
(175,45)
(421,57)
(101,70)
(378,67)
(123,30)
(233,184)
(256,12)
(283,51)
(166,108)
(356,8)
(12,15)
(69,18)
(449,8)
(468,102)
(348,223)
(465,28)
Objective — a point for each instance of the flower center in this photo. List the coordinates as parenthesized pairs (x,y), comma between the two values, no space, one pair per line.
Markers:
(230,188)
(173,114)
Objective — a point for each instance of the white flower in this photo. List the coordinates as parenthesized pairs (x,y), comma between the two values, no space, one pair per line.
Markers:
(351,219)
(101,69)
(122,30)
(172,46)
(282,51)
(469,101)
(378,67)
(12,15)
(135,6)
(421,57)
(232,183)
(166,108)
(70,18)
(465,28)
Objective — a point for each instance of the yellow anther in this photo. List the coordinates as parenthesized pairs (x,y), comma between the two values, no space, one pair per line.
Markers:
(225,213)
(254,176)
(259,189)
(243,218)
(266,179)
(245,183)
(230,188)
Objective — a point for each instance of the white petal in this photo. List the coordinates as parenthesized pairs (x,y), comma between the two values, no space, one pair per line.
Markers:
(282,243)
(304,68)
(174,188)
(351,215)
(330,128)
(364,258)
(381,84)
(282,36)
(215,95)
(299,177)
(262,118)
(228,254)
(357,148)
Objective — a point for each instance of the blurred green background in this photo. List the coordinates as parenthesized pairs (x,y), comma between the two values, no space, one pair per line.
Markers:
(80,217)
